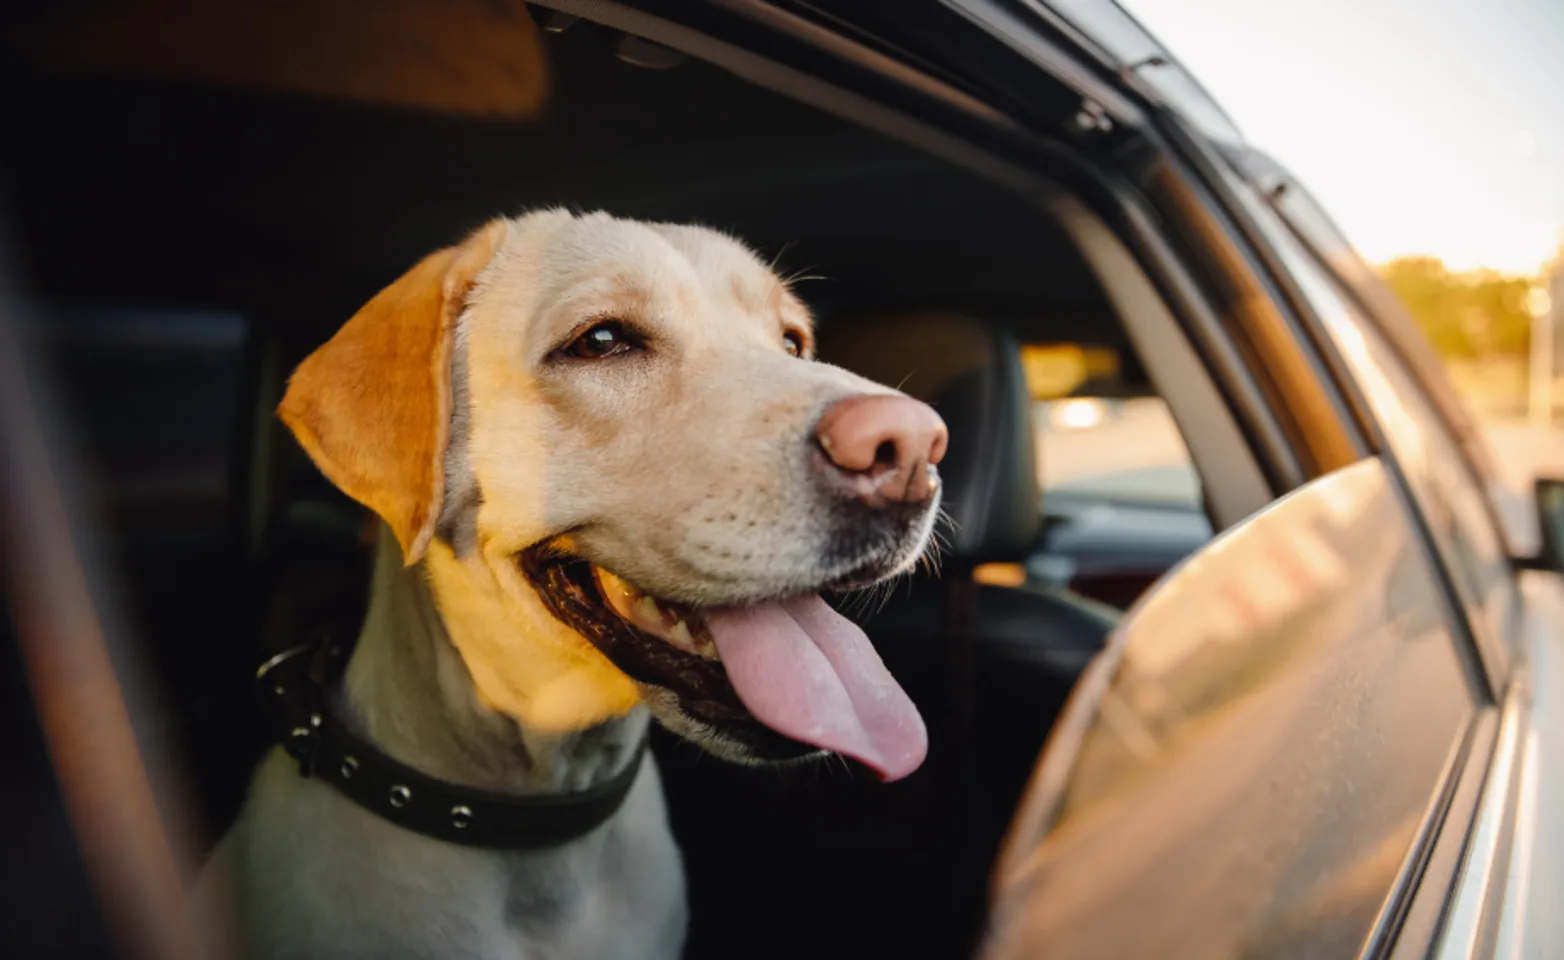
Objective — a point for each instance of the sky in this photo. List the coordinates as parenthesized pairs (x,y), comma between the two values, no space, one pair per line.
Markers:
(1424,126)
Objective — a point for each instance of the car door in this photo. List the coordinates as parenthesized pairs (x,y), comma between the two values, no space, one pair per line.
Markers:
(1255,765)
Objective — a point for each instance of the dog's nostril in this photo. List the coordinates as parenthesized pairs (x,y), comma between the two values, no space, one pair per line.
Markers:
(883,444)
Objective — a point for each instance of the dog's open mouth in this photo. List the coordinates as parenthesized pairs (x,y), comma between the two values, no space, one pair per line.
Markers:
(785,678)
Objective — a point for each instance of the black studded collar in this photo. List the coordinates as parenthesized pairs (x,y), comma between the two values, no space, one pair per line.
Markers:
(293,686)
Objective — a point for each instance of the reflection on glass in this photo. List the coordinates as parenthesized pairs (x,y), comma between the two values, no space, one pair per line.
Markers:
(1269,728)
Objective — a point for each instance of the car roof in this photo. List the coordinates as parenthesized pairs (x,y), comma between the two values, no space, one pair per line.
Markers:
(1106,32)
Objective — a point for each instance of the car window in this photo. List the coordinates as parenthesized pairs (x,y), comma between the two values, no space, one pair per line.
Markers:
(1119,450)
(1247,768)
(1122,499)
(1099,435)
(1450,496)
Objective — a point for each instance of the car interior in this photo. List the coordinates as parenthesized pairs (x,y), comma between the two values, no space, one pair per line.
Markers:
(185,244)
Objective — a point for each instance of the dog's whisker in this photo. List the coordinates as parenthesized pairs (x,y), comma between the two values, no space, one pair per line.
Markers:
(805,278)
(782,252)
(885,596)
(850,607)
(944,519)
(802,275)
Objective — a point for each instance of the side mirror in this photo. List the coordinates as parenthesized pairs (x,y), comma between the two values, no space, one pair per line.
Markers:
(1549,496)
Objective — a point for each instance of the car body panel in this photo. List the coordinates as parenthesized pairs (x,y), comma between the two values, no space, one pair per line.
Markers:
(1248,767)
(1523,899)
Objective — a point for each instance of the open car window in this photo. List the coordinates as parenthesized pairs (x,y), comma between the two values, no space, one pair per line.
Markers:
(1295,737)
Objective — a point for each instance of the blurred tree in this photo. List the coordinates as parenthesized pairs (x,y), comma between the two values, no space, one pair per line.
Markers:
(1465,315)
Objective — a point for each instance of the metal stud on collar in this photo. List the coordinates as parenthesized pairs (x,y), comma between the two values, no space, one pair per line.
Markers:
(461,816)
(400,795)
(349,767)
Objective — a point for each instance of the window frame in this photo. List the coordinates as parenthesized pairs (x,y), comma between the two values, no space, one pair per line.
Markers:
(1331,249)
(1378,307)
(1434,872)
(1492,645)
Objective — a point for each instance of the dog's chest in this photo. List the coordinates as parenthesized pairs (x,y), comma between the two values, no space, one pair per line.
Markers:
(320,877)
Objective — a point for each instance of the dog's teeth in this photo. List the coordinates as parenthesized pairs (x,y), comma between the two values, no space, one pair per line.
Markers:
(620,595)
(646,610)
(681,637)
(651,616)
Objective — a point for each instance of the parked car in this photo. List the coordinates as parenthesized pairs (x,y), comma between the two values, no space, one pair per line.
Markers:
(1292,691)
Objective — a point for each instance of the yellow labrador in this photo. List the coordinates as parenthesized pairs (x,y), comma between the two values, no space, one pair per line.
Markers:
(613,481)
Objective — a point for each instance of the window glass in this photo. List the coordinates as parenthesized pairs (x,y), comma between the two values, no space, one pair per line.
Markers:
(1450,496)
(1122,500)
(1100,435)
(1247,769)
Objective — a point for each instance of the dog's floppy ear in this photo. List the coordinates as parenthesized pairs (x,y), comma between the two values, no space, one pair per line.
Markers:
(372,406)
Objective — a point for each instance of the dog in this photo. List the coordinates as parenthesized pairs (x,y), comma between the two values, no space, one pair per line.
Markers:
(611,480)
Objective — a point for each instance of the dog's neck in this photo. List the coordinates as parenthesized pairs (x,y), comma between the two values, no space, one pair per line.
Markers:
(408,691)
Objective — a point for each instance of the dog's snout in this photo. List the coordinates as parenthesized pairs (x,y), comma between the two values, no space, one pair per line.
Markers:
(883,447)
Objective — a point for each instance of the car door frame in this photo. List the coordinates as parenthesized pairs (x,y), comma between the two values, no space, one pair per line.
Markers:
(1452,896)
(1445,887)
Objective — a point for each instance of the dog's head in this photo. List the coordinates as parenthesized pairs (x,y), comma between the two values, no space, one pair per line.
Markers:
(627,478)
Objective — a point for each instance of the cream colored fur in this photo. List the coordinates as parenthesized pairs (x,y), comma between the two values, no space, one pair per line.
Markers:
(677,469)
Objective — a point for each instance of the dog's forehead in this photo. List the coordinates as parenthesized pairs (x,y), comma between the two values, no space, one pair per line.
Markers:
(714,255)
(732,269)
(657,256)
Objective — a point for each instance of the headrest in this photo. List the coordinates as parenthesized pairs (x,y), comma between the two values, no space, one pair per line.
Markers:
(971,373)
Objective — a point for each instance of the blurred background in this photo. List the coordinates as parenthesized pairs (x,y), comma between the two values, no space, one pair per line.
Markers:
(1433,132)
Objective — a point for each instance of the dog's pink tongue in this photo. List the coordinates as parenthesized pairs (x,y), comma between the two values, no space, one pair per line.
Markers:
(808,673)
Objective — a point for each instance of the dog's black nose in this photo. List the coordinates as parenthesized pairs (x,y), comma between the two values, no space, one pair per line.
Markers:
(880,448)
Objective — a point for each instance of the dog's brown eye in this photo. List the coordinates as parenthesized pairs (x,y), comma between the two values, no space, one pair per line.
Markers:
(604,340)
(794,343)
